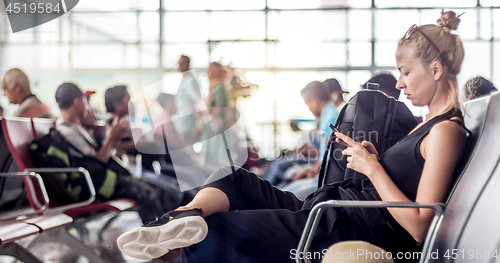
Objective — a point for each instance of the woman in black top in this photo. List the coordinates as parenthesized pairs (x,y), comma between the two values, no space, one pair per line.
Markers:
(264,224)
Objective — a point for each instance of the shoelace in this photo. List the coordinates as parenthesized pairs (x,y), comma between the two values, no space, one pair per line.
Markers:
(165,218)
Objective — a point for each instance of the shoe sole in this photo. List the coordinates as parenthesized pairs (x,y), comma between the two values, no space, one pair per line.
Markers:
(154,242)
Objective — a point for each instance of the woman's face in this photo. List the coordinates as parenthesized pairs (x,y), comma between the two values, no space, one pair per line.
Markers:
(416,80)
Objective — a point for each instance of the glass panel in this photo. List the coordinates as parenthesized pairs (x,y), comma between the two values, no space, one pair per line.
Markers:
(120,27)
(49,32)
(387,28)
(356,78)
(385,54)
(114,5)
(425,3)
(257,111)
(142,56)
(150,56)
(20,56)
(132,59)
(496,64)
(307,25)
(242,54)
(477,61)
(198,53)
(360,24)
(213,4)
(313,4)
(310,55)
(488,3)
(360,53)
(170,82)
(468,24)
(496,23)
(360,3)
(485,20)
(49,56)
(98,56)
(5,28)
(149,25)
(194,27)
(237,25)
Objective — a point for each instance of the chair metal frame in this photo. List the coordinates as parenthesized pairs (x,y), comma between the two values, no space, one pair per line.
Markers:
(28,211)
(316,212)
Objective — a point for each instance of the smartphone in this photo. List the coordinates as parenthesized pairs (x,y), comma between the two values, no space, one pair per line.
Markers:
(333,128)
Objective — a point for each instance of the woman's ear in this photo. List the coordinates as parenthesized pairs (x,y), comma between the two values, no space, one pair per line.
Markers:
(437,69)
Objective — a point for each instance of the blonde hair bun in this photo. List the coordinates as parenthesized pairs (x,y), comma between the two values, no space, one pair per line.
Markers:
(449,20)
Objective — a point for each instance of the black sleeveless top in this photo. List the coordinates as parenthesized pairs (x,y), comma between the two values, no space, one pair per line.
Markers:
(404,163)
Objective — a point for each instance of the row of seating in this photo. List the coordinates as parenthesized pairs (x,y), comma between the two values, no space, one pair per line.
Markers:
(43,217)
(466,227)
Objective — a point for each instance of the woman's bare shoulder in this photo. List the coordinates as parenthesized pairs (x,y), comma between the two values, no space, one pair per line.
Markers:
(449,132)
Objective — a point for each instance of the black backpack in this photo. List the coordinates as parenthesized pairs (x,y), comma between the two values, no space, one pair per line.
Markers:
(53,150)
(372,116)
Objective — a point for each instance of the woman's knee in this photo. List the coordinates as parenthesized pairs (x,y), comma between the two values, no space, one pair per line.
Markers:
(228,172)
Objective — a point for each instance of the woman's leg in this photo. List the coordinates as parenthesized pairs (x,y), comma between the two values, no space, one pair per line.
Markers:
(228,188)
(261,236)
(240,190)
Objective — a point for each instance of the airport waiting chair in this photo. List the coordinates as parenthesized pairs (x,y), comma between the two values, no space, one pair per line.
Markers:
(467,224)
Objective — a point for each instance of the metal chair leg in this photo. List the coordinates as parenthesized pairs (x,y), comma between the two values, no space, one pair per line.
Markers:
(19,252)
(61,236)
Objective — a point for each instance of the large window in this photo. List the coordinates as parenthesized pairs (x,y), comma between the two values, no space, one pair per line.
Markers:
(280,47)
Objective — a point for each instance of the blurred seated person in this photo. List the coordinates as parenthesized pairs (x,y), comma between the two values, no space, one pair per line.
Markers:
(336,93)
(16,86)
(302,188)
(318,98)
(478,87)
(387,84)
(154,197)
(308,138)
(89,122)
(116,100)
(306,153)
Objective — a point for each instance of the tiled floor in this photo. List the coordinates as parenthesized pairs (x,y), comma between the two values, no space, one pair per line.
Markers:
(56,253)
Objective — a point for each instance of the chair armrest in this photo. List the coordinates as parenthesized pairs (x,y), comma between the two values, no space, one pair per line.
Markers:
(317,211)
(61,209)
(29,211)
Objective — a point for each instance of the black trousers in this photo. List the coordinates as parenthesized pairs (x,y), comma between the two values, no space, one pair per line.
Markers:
(154,198)
(264,224)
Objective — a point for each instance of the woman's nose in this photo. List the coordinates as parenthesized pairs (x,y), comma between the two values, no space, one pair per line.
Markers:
(400,85)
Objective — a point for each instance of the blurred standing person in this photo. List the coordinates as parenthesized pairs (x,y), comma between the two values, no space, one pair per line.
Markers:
(16,86)
(186,99)
(213,149)
(218,96)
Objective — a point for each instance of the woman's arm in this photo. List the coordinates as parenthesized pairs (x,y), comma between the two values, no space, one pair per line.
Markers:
(441,149)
